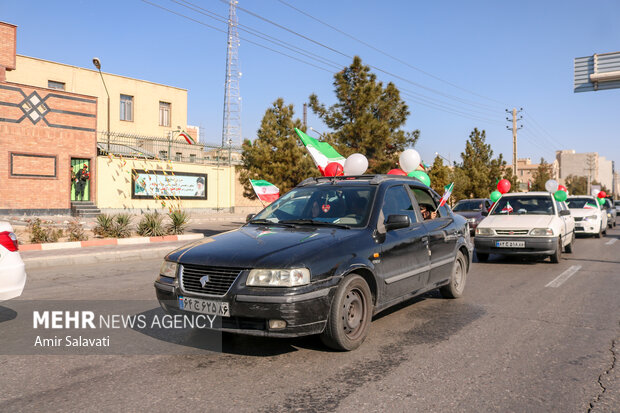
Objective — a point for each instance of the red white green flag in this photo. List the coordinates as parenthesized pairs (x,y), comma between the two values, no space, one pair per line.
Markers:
(322,152)
(265,191)
(446,194)
(187,137)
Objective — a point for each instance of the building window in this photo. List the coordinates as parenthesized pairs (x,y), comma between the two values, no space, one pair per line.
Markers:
(178,156)
(164,114)
(163,154)
(127,108)
(192,157)
(52,84)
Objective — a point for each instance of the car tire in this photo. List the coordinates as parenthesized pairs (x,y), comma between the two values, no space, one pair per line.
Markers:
(349,316)
(557,255)
(569,247)
(482,257)
(605,230)
(457,280)
(598,234)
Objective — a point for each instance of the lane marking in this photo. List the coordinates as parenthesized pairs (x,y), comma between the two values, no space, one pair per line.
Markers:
(611,241)
(560,279)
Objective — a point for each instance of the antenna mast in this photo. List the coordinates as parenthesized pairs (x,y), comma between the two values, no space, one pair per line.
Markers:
(231,132)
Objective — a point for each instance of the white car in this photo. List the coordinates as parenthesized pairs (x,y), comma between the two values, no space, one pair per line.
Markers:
(530,223)
(12,268)
(590,217)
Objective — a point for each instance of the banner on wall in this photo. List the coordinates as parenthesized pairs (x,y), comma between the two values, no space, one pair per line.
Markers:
(157,184)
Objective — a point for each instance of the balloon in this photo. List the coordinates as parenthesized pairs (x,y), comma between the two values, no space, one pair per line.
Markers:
(595,192)
(333,169)
(503,186)
(355,164)
(601,201)
(421,176)
(601,194)
(409,160)
(397,172)
(562,188)
(560,195)
(495,196)
(551,185)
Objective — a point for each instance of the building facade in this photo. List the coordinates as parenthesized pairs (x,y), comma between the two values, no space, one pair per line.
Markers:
(587,164)
(527,169)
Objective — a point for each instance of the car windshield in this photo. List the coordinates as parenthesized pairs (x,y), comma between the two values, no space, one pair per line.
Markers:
(585,202)
(324,205)
(468,205)
(533,205)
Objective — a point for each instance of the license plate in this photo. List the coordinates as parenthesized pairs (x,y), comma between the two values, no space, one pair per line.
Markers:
(199,305)
(510,244)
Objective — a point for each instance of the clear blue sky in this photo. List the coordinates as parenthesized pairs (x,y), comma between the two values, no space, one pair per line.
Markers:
(514,54)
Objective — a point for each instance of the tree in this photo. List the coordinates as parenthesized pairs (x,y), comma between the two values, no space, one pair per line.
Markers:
(514,181)
(367,118)
(440,175)
(542,174)
(576,185)
(276,155)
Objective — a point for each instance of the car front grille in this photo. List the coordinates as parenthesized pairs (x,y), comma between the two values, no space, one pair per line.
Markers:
(577,219)
(219,279)
(515,232)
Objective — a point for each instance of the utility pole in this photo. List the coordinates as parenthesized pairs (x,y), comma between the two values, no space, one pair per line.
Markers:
(514,137)
(305,116)
(591,166)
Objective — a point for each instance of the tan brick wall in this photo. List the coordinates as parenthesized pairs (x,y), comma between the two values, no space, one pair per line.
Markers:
(63,141)
(33,165)
(7,45)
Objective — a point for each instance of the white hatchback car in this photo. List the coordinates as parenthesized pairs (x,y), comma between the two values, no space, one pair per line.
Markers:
(12,268)
(590,217)
(530,223)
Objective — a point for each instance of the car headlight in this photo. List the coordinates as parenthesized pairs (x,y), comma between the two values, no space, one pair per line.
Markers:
(471,220)
(169,269)
(485,231)
(279,278)
(541,231)
(591,217)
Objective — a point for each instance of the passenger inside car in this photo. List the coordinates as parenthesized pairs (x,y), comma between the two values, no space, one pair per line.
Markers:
(427,213)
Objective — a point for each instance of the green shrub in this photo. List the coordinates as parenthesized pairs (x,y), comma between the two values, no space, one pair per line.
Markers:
(151,225)
(104,224)
(178,222)
(76,231)
(40,234)
(121,226)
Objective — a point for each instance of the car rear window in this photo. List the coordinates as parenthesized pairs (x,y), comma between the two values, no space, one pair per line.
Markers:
(468,205)
(584,202)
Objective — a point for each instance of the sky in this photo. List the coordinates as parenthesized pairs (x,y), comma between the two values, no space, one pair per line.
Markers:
(459,64)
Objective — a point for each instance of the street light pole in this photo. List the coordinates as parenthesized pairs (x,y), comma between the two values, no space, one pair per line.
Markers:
(449,161)
(97,64)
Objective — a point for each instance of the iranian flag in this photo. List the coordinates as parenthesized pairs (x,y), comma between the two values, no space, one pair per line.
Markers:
(446,195)
(187,137)
(589,206)
(322,152)
(265,191)
(507,208)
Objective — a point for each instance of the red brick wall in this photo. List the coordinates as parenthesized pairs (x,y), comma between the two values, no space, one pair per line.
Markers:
(7,46)
(65,130)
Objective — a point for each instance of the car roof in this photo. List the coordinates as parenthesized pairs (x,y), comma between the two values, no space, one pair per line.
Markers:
(534,193)
(473,199)
(580,196)
(361,179)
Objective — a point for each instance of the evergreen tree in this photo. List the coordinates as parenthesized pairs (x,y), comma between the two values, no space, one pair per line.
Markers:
(576,185)
(276,155)
(542,174)
(514,181)
(367,118)
(440,175)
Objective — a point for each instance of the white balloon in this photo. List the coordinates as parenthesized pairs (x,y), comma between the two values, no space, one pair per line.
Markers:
(409,160)
(595,192)
(355,164)
(551,185)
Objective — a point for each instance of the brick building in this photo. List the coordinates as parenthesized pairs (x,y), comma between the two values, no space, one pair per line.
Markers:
(41,132)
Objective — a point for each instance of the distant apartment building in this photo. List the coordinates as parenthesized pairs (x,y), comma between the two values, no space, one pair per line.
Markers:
(585,164)
(526,170)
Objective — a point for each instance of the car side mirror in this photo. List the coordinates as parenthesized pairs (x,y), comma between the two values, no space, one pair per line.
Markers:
(484,213)
(249,217)
(397,222)
(564,212)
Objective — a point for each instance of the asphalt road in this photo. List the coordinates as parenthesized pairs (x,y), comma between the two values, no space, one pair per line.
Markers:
(526,337)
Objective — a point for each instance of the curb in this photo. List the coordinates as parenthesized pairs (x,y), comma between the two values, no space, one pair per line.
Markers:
(108,241)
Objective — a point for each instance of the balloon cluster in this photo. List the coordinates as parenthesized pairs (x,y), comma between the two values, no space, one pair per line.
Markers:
(409,162)
(503,186)
(354,165)
(601,197)
(560,193)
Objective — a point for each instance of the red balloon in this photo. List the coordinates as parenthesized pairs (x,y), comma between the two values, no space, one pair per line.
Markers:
(334,169)
(562,188)
(397,172)
(602,194)
(503,186)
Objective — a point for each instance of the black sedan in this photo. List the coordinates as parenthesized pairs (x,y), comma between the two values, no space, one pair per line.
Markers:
(322,259)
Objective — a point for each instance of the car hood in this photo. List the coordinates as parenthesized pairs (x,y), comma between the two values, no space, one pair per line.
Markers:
(255,246)
(582,212)
(516,221)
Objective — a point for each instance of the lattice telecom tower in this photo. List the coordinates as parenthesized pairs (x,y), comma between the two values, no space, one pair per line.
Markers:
(231,132)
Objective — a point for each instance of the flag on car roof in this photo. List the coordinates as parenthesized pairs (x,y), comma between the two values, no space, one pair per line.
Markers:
(187,137)
(507,208)
(446,194)
(322,152)
(589,206)
(265,191)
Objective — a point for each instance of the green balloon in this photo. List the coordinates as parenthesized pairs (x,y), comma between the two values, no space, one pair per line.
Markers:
(421,176)
(495,196)
(601,201)
(560,196)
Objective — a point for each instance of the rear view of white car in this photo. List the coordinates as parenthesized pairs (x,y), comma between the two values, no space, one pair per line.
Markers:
(589,218)
(12,269)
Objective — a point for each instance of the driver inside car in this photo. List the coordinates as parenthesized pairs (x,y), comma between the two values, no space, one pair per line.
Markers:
(427,213)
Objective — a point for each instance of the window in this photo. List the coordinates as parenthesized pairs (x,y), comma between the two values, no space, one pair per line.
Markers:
(397,202)
(52,84)
(192,157)
(178,156)
(127,108)
(163,154)
(164,114)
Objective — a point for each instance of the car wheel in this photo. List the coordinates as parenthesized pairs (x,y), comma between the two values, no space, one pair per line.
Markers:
(482,257)
(350,315)
(555,257)
(605,230)
(569,247)
(457,280)
(598,234)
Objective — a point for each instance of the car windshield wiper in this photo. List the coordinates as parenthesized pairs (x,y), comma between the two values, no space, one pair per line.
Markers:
(267,222)
(314,222)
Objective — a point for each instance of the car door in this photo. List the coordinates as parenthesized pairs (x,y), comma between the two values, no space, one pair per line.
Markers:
(404,260)
(443,236)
